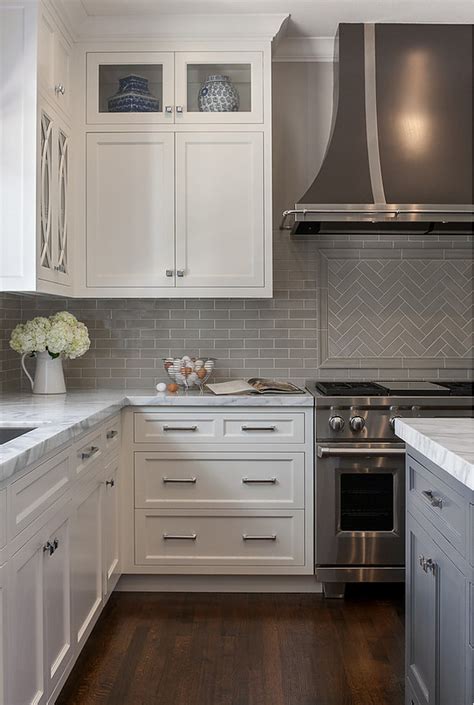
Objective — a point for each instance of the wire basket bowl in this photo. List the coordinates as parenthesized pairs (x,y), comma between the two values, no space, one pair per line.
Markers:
(188,372)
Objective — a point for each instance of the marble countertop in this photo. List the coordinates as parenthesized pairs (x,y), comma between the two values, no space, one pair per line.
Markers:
(63,418)
(449,443)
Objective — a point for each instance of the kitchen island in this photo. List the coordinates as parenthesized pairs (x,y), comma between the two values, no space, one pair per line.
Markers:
(440,560)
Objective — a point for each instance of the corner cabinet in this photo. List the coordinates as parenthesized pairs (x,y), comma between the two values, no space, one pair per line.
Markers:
(35,148)
(177,199)
(439,587)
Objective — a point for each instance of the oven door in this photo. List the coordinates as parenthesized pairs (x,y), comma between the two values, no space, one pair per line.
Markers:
(360,491)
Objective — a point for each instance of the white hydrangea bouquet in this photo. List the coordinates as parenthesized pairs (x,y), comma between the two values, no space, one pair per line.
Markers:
(50,340)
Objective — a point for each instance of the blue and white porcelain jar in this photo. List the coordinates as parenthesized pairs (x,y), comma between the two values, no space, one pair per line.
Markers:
(133,96)
(218,95)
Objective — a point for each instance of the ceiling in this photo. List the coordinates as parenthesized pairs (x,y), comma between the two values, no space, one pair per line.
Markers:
(311,18)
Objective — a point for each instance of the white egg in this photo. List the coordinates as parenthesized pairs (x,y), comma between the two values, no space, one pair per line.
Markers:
(198,364)
(161,387)
(179,378)
(192,378)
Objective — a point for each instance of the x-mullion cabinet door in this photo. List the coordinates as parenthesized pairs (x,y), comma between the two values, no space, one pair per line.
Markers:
(130,210)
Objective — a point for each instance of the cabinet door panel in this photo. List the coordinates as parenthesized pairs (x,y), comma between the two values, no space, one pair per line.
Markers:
(219,209)
(110,527)
(130,209)
(26,627)
(57,605)
(62,69)
(421,614)
(86,561)
(3,632)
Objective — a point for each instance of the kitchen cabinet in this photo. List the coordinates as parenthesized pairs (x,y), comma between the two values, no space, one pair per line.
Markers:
(86,558)
(438,654)
(35,147)
(130,212)
(110,526)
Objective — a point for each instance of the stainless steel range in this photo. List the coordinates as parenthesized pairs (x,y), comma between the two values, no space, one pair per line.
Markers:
(360,474)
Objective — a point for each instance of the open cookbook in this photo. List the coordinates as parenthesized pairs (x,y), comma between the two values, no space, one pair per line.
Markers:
(255,384)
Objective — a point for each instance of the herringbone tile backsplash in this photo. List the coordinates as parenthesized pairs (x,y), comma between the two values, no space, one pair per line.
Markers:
(344,307)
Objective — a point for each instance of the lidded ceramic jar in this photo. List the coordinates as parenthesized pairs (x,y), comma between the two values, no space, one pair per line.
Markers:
(218,95)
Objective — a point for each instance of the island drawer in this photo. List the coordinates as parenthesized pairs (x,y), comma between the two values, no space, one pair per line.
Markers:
(441,504)
(33,493)
(230,538)
(219,480)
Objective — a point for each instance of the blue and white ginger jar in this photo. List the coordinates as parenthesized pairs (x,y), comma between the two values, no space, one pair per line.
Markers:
(133,96)
(218,95)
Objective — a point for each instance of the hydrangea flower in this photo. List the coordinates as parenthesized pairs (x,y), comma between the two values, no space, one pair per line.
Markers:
(60,334)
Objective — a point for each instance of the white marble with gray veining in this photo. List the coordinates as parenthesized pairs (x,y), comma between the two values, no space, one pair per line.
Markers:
(449,443)
(63,418)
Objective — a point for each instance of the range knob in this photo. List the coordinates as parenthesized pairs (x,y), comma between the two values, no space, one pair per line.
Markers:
(357,423)
(392,421)
(336,423)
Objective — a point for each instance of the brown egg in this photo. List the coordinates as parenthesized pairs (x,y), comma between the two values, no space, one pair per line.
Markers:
(202,373)
(172,387)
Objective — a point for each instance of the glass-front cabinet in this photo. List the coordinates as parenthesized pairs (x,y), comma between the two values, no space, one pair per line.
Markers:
(174,87)
(130,87)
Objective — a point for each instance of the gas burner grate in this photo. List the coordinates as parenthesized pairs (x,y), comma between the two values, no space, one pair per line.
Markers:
(351,389)
(459,389)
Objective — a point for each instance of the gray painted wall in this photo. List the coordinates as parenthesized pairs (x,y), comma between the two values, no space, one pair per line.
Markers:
(345,307)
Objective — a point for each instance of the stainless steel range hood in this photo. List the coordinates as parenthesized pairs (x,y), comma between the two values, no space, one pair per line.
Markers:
(400,152)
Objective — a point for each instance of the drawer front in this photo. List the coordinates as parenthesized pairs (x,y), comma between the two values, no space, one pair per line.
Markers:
(169,428)
(439,503)
(219,480)
(3,518)
(35,492)
(112,435)
(270,428)
(230,539)
(88,452)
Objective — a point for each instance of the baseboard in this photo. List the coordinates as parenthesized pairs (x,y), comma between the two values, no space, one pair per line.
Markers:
(218,583)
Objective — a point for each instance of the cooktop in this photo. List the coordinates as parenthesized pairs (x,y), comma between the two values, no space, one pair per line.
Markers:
(402,388)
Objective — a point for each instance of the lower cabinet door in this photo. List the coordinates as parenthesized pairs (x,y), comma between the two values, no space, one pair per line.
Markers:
(86,560)
(57,604)
(25,658)
(110,527)
(421,613)
(3,633)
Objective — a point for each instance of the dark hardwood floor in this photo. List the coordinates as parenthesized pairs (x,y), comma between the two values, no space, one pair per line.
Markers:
(252,649)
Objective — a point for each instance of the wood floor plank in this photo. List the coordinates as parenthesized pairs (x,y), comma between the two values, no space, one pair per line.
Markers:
(227,649)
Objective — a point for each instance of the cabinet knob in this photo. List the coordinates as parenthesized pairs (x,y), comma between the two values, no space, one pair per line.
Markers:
(169,109)
(59,89)
(179,109)
(180,272)
(49,548)
(110,483)
(169,272)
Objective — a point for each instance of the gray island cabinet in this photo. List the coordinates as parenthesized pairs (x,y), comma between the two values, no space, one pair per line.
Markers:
(439,584)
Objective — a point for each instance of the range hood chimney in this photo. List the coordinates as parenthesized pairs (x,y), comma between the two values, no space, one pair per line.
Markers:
(400,152)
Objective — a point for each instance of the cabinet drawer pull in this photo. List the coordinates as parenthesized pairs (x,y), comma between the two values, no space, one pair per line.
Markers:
(427,564)
(112,434)
(258,428)
(251,537)
(110,483)
(179,537)
(180,428)
(180,480)
(86,454)
(432,499)
(49,548)
(258,481)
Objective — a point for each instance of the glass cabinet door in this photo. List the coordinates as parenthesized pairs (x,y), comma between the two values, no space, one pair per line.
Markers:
(130,87)
(219,87)
(45,187)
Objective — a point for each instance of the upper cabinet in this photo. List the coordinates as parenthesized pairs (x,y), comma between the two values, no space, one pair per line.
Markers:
(35,149)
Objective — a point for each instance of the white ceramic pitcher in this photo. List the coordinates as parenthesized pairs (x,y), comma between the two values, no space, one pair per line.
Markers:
(49,375)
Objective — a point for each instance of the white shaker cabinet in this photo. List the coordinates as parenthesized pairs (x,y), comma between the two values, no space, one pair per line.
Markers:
(110,526)
(130,210)
(34,151)
(3,632)
(219,210)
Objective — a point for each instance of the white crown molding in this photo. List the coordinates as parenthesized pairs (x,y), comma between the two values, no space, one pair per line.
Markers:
(305,49)
(169,26)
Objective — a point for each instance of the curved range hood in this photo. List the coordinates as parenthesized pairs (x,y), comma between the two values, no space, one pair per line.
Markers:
(400,152)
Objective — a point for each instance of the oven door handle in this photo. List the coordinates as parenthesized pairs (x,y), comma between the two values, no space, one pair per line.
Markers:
(325,451)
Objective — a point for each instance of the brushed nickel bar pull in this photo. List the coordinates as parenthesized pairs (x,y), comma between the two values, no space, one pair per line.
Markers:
(89,453)
(251,537)
(324,452)
(180,480)
(432,499)
(111,434)
(258,428)
(179,428)
(179,537)
(256,481)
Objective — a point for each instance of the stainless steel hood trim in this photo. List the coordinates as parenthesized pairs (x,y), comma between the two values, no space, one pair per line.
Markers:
(371,120)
